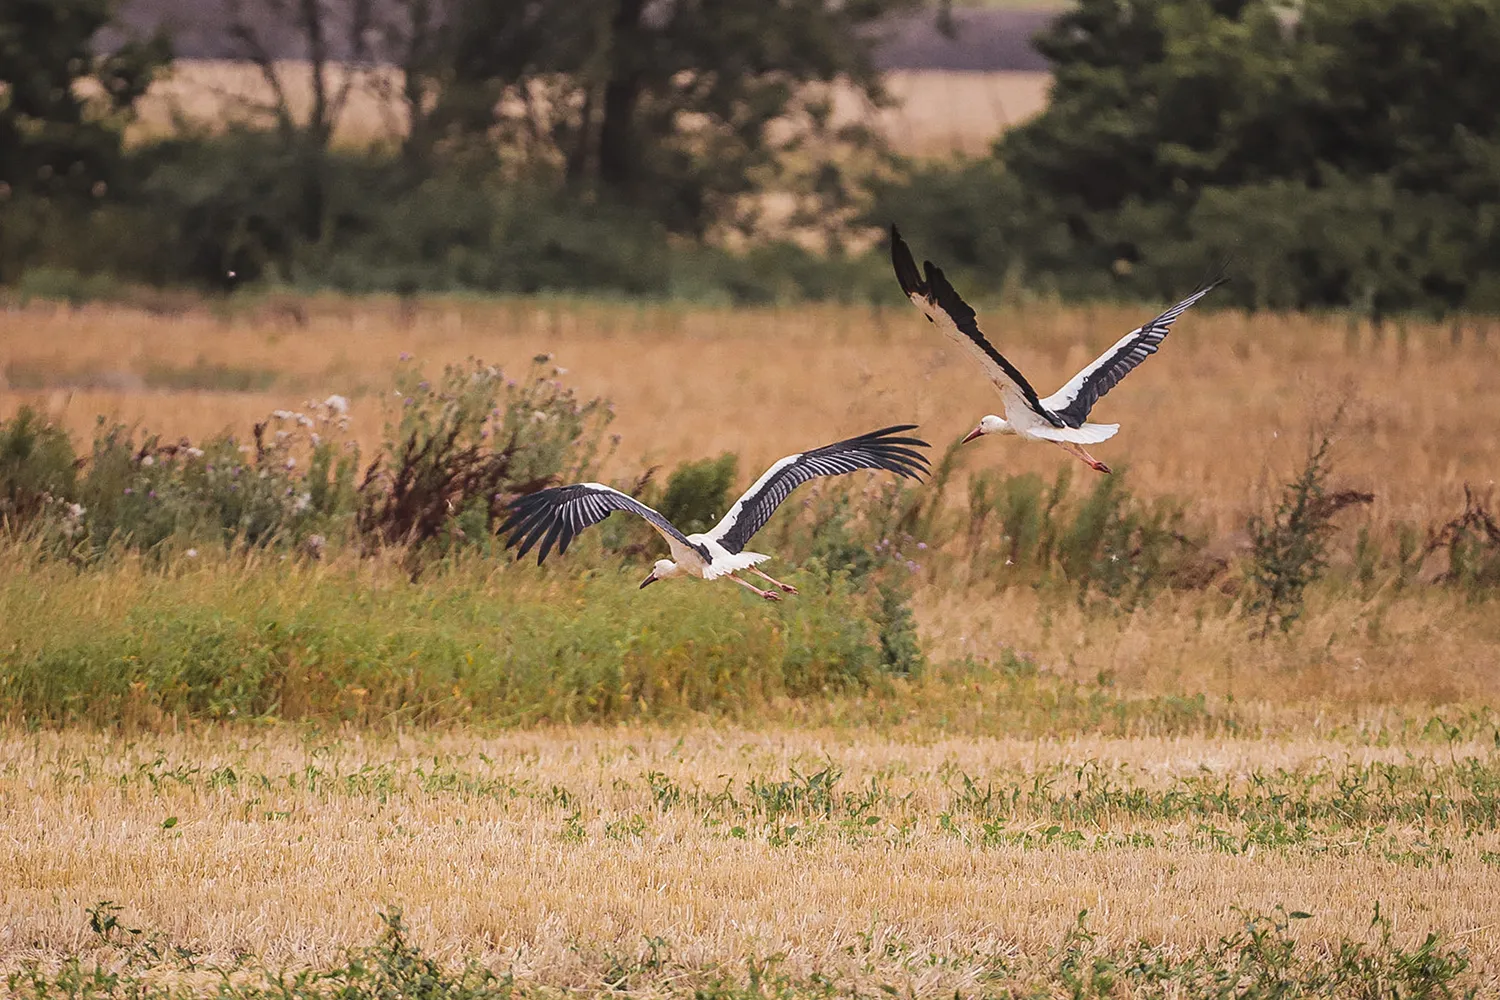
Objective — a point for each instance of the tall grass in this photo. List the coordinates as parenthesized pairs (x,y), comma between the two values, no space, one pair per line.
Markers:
(224,637)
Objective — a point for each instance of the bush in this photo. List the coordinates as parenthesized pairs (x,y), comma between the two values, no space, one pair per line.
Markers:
(1289,548)
(37,468)
(1108,544)
(1471,543)
(698,493)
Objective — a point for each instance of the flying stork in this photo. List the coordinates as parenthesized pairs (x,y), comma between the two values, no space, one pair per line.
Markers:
(1061,417)
(556,515)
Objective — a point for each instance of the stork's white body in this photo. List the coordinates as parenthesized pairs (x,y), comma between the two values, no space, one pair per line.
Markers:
(721,561)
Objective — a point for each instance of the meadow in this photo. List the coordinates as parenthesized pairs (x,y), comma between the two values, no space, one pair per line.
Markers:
(221,766)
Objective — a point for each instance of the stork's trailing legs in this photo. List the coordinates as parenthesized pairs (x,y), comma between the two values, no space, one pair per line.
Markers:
(1076,450)
(769,595)
(764,576)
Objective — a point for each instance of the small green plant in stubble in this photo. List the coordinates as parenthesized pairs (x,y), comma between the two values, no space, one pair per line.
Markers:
(1261,957)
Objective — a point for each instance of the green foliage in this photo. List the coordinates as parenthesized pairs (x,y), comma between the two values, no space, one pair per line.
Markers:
(900,649)
(1260,958)
(220,211)
(221,638)
(37,467)
(1108,544)
(457,449)
(454,452)
(63,285)
(669,110)
(698,492)
(59,137)
(63,112)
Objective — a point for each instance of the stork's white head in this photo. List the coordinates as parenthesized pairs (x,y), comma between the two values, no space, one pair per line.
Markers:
(991,424)
(664,569)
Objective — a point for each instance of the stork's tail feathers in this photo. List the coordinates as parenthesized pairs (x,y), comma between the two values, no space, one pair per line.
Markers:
(1087,434)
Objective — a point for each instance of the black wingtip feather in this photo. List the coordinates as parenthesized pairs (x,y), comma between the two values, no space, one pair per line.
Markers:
(1217,274)
(906,266)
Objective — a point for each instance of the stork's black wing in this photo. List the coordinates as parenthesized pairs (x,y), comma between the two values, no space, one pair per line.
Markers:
(941,304)
(876,450)
(555,515)
(1074,401)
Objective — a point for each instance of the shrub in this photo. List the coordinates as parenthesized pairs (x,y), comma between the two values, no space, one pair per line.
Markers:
(698,492)
(1471,542)
(1289,548)
(456,450)
(1108,544)
(37,467)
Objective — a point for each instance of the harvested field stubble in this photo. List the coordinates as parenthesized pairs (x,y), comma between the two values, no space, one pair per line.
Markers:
(932,867)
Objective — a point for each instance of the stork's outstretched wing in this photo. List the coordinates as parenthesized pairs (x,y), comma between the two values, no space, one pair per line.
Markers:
(556,515)
(938,301)
(876,450)
(1074,401)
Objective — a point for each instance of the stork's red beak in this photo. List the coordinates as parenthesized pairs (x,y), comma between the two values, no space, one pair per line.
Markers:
(648,581)
(976,432)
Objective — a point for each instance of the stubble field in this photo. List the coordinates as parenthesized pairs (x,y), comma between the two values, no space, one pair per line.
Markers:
(1194,788)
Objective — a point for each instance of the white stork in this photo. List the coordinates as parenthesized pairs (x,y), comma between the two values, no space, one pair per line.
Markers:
(1061,417)
(556,515)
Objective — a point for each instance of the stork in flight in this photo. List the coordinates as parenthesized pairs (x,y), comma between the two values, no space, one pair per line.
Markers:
(556,515)
(1061,417)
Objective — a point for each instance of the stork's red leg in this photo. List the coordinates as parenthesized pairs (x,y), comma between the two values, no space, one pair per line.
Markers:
(1078,452)
(769,595)
(764,576)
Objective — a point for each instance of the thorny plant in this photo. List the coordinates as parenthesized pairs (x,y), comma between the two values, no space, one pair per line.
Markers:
(455,451)
(1289,547)
(1472,544)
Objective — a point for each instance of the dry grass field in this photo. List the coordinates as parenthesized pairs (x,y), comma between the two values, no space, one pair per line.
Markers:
(935,853)
(934,112)
(1221,413)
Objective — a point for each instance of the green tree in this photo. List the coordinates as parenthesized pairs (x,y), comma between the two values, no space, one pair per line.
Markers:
(678,109)
(1345,152)
(63,108)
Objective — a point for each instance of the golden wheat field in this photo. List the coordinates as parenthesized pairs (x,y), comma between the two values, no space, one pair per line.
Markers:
(885,847)
(933,112)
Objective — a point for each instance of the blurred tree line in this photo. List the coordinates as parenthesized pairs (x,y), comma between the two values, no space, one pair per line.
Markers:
(546,144)
(1342,153)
